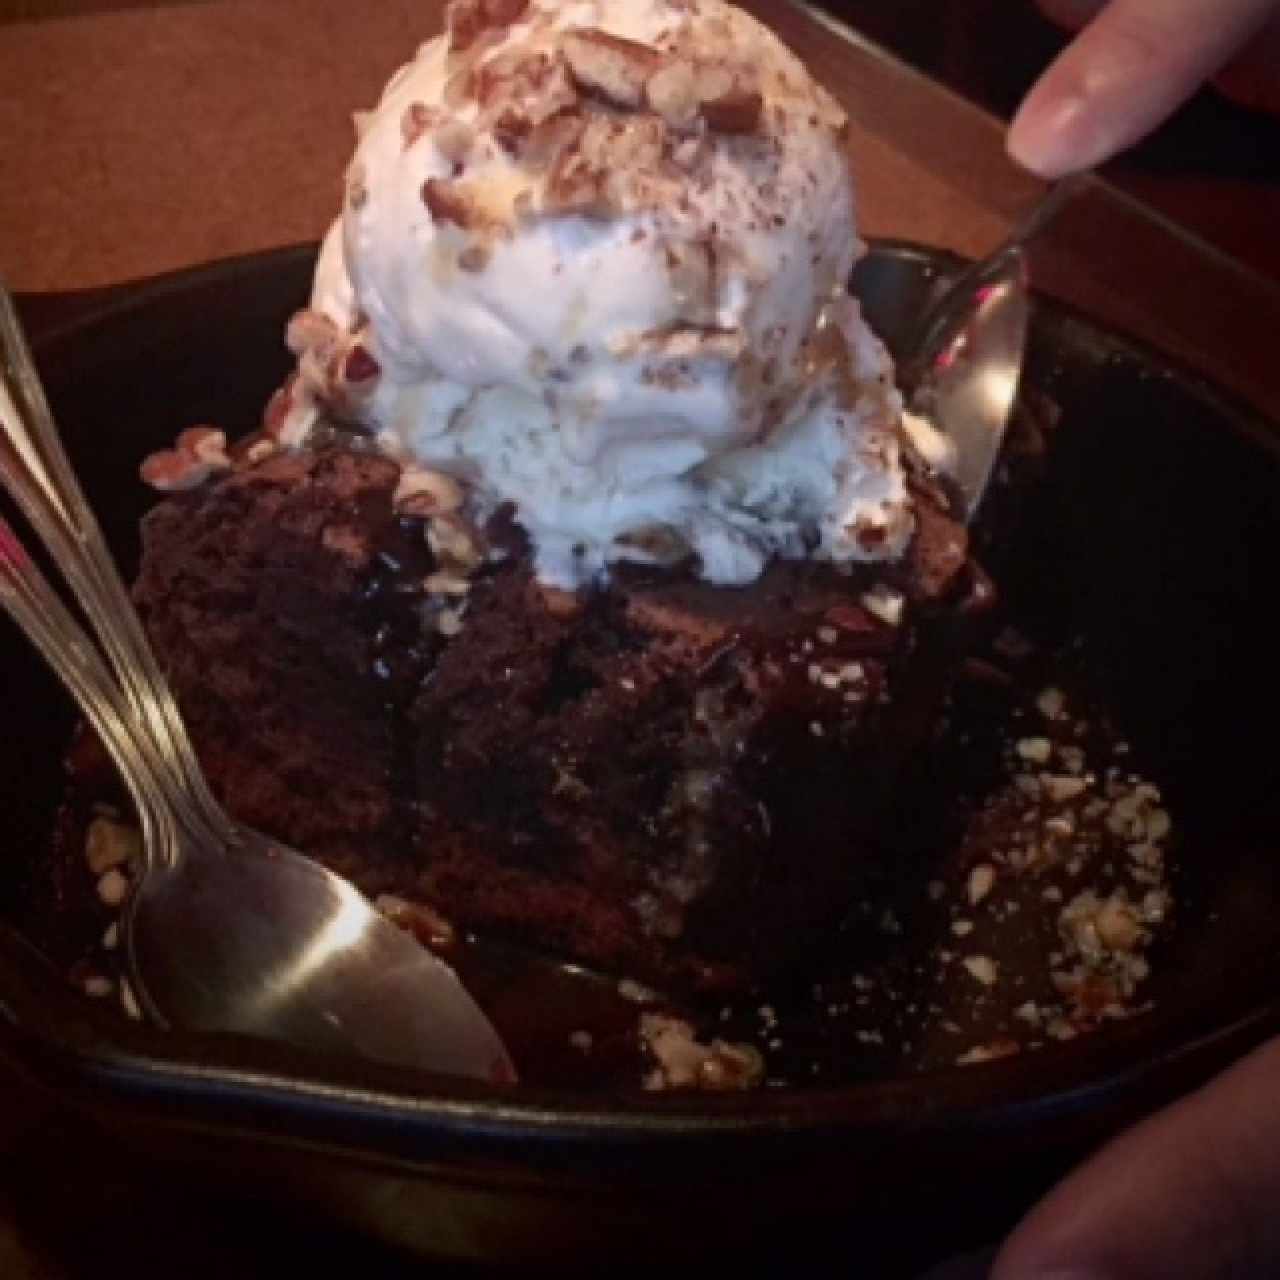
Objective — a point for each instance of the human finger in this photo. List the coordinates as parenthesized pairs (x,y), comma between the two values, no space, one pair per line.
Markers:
(1190,1193)
(1134,64)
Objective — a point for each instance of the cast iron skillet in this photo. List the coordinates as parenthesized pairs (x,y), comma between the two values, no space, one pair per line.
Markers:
(1151,535)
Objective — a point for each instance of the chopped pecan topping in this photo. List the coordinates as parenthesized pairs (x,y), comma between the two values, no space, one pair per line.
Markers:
(574,185)
(672,91)
(310,330)
(458,548)
(548,141)
(615,165)
(207,444)
(659,543)
(689,153)
(426,493)
(467,20)
(174,471)
(464,20)
(620,147)
(260,450)
(426,924)
(554,93)
(197,454)
(610,67)
(418,119)
(511,128)
(692,342)
(579,180)
(885,604)
(537,83)
(110,844)
(684,92)
(448,202)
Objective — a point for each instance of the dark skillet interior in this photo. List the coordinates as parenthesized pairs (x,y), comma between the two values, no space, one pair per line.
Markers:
(1150,536)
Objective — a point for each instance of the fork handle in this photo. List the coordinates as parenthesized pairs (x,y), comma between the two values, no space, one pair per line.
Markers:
(35,470)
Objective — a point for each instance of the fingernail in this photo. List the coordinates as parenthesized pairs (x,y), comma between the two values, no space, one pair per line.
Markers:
(1058,138)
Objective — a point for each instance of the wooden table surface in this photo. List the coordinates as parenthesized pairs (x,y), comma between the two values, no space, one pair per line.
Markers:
(142,136)
(146,137)
(150,138)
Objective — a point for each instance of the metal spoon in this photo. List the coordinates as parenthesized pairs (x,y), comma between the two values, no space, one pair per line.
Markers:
(963,367)
(226,930)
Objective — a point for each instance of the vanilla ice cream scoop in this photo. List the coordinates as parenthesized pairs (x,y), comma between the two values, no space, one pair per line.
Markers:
(592,260)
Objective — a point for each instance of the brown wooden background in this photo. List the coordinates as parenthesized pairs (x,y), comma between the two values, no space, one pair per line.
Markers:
(1215,168)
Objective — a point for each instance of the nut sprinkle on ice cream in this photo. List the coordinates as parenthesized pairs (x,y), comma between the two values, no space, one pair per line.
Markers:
(592,260)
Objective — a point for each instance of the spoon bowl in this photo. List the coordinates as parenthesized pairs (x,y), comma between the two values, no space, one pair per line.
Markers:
(965,376)
(961,371)
(275,945)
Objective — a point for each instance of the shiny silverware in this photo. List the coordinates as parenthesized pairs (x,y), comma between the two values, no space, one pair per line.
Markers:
(963,368)
(226,929)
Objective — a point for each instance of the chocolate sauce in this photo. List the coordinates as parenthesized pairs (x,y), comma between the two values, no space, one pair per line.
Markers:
(890,994)
(401,650)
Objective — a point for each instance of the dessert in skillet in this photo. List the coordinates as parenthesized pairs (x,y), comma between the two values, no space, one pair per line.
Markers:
(583,582)
(585,586)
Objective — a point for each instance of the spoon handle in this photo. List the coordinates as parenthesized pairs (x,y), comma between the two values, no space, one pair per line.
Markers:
(939,320)
(34,605)
(35,470)
(1045,210)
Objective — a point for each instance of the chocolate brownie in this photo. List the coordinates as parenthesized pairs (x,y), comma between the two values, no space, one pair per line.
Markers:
(668,780)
